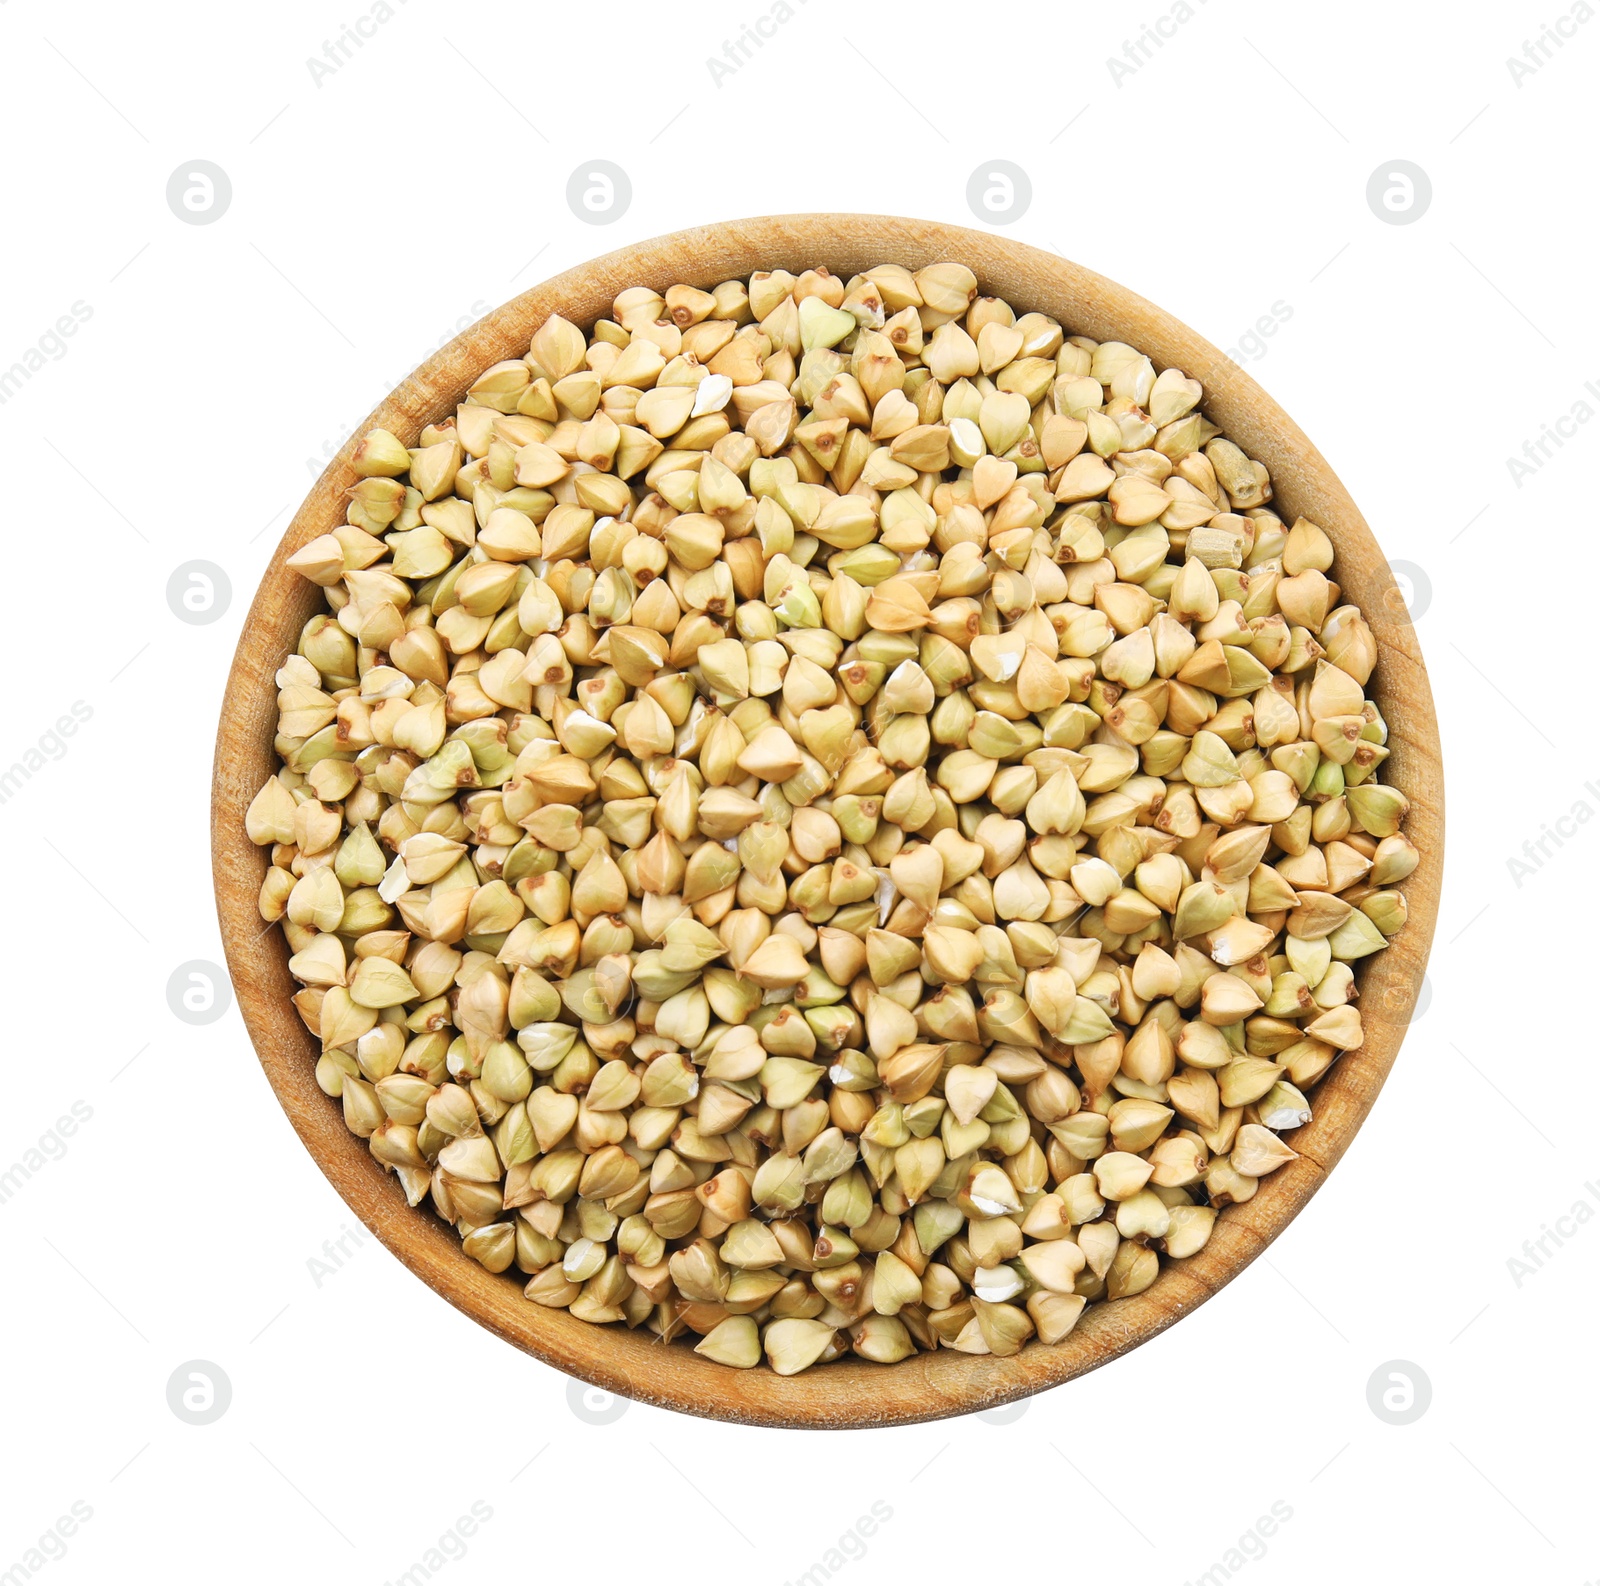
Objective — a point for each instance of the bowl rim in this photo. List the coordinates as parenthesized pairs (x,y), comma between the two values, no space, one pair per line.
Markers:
(847,1393)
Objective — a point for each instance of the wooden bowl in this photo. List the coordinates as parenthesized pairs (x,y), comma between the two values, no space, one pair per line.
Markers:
(851,1392)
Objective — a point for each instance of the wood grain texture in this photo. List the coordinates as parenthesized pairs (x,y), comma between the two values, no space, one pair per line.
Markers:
(850,1393)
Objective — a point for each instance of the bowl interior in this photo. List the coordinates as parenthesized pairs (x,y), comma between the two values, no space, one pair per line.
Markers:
(849,1392)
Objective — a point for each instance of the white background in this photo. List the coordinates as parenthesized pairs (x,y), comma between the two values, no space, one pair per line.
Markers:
(422,182)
